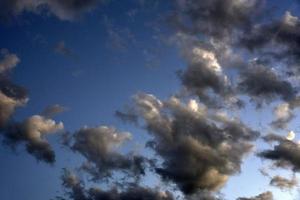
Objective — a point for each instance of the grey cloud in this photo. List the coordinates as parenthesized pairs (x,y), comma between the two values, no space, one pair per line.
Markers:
(283,183)
(217,18)
(52,110)
(285,153)
(263,196)
(32,132)
(63,9)
(263,85)
(134,192)
(211,150)
(99,145)
(8,60)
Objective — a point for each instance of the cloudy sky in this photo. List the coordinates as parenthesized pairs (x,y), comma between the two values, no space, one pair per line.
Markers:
(149,99)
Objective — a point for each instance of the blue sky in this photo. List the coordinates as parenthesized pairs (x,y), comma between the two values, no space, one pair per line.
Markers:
(92,64)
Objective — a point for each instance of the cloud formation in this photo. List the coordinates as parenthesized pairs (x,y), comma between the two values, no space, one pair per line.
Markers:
(99,145)
(283,183)
(212,148)
(32,131)
(78,192)
(11,95)
(263,196)
(285,154)
(62,9)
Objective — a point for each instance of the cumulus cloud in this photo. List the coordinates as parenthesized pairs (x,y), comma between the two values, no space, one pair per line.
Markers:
(204,73)
(11,95)
(211,149)
(263,84)
(99,145)
(63,9)
(32,131)
(77,191)
(263,196)
(283,183)
(285,154)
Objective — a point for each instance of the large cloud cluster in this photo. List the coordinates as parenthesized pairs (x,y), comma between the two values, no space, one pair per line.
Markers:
(211,146)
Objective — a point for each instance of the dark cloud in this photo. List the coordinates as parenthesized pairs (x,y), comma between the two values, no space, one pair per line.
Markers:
(77,191)
(32,132)
(217,18)
(263,196)
(204,73)
(283,183)
(211,149)
(99,146)
(286,153)
(63,9)
(262,84)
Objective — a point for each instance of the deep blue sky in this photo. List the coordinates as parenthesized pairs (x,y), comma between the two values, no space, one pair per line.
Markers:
(95,80)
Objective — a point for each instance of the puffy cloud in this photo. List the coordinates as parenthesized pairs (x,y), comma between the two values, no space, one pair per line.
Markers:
(286,153)
(212,148)
(204,72)
(63,9)
(78,192)
(263,196)
(99,145)
(283,183)
(32,132)
(263,84)
(11,95)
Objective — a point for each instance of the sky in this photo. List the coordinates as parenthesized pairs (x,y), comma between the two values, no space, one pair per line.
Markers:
(149,99)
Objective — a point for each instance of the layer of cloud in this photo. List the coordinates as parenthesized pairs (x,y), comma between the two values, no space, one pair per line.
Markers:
(77,191)
(62,9)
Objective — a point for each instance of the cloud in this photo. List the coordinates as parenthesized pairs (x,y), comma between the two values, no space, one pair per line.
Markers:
(286,153)
(78,192)
(62,49)
(63,9)
(210,149)
(11,95)
(204,73)
(32,131)
(99,145)
(262,84)
(283,114)
(263,196)
(53,110)
(8,61)
(283,183)
(217,18)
